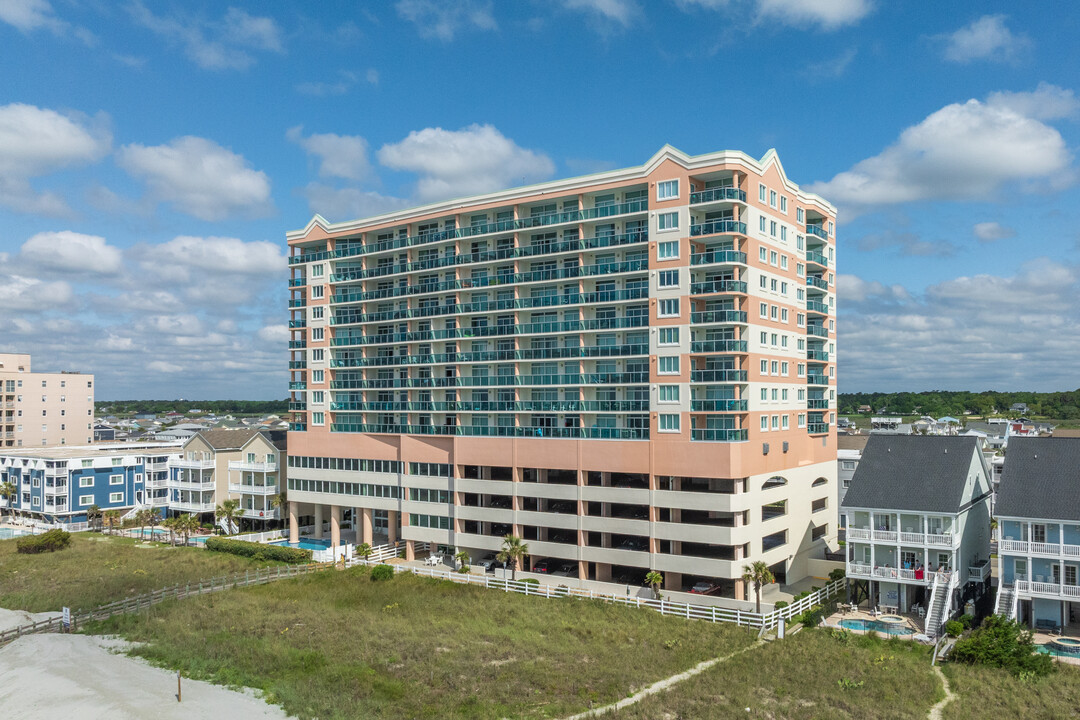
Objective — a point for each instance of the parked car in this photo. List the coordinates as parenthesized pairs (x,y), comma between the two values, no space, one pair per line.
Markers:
(544,566)
(489,563)
(567,569)
(702,588)
(499,501)
(634,544)
(562,506)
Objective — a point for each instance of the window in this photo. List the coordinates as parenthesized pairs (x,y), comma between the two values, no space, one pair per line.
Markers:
(822,481)
(765,394)
(783,422)
(784,392)
(763,310)
(772,257)
(762,281)
(316,291)
(802,420)
(775,394)
(668,307)
(783,285)
(86,500)
(668,365)
(764,367)
(783,262)
(773,311)
(669,278)
(783,315)
(783,233)
(87,463)
(761,223)
(801,369)
(772,198)
(819,531)
(317,312)
(669,394)
(667,250)
(317,355)
(667,190)
(775,422)
(830,234)
(764,423)
(116,479)
(774,284)
(783,204)
(667,221)
(317,333)
(762,254)
(318,418)
(799,214)
(800,269)
(668,336)
(784,369)
(317,376)
(818,505)
(772,228)
(774,367)
(800,319)
(669,422)
(764,338)
(86,481)
(116,497)
(761,193)
(317,396)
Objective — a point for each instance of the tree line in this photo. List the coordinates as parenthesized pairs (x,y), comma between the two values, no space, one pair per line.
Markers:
(1056,405)
(216,407)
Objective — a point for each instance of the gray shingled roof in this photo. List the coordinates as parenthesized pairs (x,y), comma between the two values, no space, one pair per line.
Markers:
(912,472)
(1041,479)
(227,439)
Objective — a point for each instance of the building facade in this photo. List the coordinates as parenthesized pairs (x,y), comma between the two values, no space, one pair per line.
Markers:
(918,525)
(632,370)
(215,465)
(44,409)
(58,484)
(1038,515)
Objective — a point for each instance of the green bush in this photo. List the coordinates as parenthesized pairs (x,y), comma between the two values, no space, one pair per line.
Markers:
(812,617)
(967,621)
(531,581)
(836,574)
(50,541)
(954,628)
(780,604)
(382,572)
(258,551)
(1000,642)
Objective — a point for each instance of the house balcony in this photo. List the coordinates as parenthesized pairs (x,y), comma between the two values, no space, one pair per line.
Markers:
(255,514)
(892,574)
(192,464)
(905,538)
(719,194)
(980,573)
(179,484)
(253,466)
(1023,547)
(252,489)
(1041,589)
(191,506)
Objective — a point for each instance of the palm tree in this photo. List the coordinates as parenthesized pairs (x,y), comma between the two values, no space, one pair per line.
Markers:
(758,574)
(141,520)
(512,553)
(229,511)
(6,491)
(185,525)
(153,519)
(364,550)
(463,558)
(280,500)
(112,519)
(170,525)
(93,515)
(654,580)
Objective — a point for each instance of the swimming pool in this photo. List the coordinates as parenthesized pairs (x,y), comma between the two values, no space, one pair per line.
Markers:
(306,544)
(875,626)
(8,533)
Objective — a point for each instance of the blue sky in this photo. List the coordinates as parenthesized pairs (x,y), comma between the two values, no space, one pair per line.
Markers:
(153,155)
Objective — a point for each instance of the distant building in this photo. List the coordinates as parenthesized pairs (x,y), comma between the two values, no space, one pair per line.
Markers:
(1020,408)
(104,433)
(43,409)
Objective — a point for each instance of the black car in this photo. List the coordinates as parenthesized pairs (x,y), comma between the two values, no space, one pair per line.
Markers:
(544,566)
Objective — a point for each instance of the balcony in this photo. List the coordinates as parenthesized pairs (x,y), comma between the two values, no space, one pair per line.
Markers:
(718,316)
(717,195)
(816,282)
(917,577)
(819,355)
(1023,547)
(817,331)
(718,346)
(579,433)
(297,344)
(817,231)
(294,324)
(252,489)
(718,405)
(297,427)
(191,507)
(253,466)
(299,303)
(717,286)
(255,514)
(726,257)
(817,428)
(297,282)
(816,258)
(717,227)
(979,574)
(1040,588)
(817,404)
(817,379)
(298,385)
(293,406)
(192,464)
(297,364)
(816,306)
(721,376)
(719,435)
(904,538)
(177,483)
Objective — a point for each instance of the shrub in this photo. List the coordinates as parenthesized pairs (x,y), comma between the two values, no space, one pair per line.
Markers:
(531,581)
(954,628)
(258,551)
(382,572)
(780,604)
(967,621)
(1004,643)
(812,617)
(836,574)
(50,541)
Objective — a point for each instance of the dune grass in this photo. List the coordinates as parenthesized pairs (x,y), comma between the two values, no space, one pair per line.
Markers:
(979,689)
(98,569)
(340,645)
(812,674)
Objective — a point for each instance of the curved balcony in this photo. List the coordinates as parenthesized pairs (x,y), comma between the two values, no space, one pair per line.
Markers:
(816,258)
(813,281)
(718,195)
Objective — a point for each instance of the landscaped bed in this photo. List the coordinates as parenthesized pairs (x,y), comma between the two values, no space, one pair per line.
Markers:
(98,569)
(340,645)
(819,673)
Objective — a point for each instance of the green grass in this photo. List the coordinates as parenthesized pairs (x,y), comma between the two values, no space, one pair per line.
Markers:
(339,645)
(981,690)
(97,569)
(800,678)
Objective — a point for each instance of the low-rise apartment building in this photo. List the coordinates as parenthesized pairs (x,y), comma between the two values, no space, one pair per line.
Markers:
(1038,516)
(918,524)
(849,452)
(215,465)
(59,484)
(43,409)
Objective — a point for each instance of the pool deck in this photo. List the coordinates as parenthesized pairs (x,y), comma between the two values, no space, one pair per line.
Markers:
(910,622)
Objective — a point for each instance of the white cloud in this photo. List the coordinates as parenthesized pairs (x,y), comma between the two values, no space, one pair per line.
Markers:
(1000,332)
(1046,102)
(443,19)
(338,204)
(346,81)
(229,256)
(36,141)
(274,334)
(621,12)
(905,243)
(828,14)
(199,177)
(831,68)
(160,366)
(215,45)
(984,39)
(456,163)
(19,294)
(962,152)
(183,324)
(341,156)
(71,252)
(991,231)
(28,15)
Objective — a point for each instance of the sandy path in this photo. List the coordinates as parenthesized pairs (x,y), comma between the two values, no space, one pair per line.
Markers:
(10,619)
(61,677)
(935,712)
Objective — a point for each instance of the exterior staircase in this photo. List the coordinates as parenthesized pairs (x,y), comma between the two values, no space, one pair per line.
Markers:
(1005,604)
(940,597)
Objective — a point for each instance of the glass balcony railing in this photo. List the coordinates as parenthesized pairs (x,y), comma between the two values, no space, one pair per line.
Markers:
(297,344)
(718,405)
(717,286)
(718,316)
(594,433)
(721,376)
(556,406)
(297,364)
(556,353)
(714,346)
(717,194)
(819,355)
(816,306)
(718,256)
(719,435)
(501,329)
(298,385)
(718,227)
(297,282)
(817,331)
(817,404)
(297,303)
(817,380)
(297,427)
(817,428)
(817,231)
(816,258)
(613,378)
(298,406)
(293,324)
(816,282)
